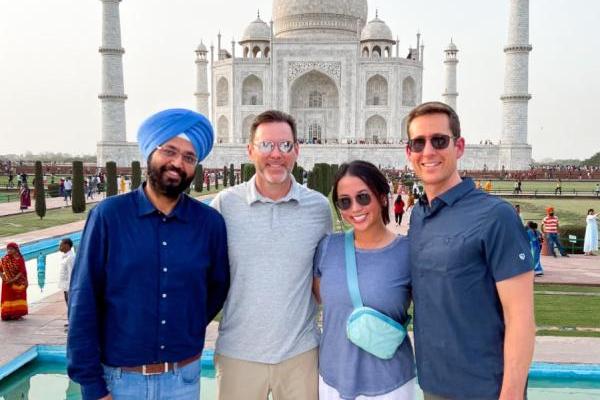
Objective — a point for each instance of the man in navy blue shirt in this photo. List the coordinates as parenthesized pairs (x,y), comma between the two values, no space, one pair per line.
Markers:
(472,273)
(151,272)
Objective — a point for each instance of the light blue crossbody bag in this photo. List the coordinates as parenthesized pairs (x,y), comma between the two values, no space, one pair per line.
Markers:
(369,329)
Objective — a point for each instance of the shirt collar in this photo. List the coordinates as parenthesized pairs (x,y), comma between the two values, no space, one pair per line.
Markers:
(253,196)
(145,206)
(453,194)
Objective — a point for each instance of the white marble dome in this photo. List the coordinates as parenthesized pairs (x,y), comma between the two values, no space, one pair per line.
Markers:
(452,47)
(319,18)
(376,30)
(202,47)
(258,30)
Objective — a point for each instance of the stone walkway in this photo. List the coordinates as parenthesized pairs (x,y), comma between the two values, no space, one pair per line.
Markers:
(12,208)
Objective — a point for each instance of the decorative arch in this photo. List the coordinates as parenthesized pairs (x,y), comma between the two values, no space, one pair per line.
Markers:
(223,129)
(252,91)
(314,98)
(246,51)
(376,52)
(404,129)
(314,132)
(376,129)
(256,52)
(246,125)
(267,52)
(409,92)
(387,52)
(365,52)
(222,92)
(377,91)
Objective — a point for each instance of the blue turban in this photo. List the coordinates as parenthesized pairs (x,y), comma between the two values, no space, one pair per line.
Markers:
(165,125)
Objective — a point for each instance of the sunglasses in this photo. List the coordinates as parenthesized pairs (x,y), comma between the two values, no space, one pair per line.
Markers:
(438,142)
(344,203)
(267,146)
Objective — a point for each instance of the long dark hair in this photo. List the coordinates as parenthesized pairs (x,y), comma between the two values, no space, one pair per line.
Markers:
(372,177)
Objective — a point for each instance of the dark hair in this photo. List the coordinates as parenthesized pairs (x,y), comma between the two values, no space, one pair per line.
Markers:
(591,210)
(273,116)
(67,241)
(372,177)
(532,225)
(435,107)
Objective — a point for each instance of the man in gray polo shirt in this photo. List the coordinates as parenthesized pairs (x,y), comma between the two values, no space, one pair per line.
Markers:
(268,335)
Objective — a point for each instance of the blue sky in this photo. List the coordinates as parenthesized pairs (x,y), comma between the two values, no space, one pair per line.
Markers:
(50,65)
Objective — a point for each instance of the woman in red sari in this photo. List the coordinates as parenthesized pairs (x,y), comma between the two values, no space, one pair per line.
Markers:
(13,303)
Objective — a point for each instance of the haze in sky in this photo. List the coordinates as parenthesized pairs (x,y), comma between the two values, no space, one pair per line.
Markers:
(50,68)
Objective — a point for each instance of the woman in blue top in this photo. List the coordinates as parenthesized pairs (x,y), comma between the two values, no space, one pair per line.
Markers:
(360,193)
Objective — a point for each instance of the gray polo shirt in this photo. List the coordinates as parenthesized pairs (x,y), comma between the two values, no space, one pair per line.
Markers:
(269,314)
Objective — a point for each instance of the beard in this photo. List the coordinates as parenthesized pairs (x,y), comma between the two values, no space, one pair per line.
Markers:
(165,185)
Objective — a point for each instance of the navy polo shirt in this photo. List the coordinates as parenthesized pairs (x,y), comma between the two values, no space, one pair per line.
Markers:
(461,246)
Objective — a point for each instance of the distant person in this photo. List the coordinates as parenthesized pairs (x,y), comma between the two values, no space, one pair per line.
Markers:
(268,336)
(518,211)
(122,185)
(68,189)
(151,272)
(478,184)
(66,262)
(382,281)
(472,275)
(597,190)
(558,188)
(550,228)
(11,179)
(535,241)
(488,186)
(398,209)
(590,244)
(24,197)
(13,303)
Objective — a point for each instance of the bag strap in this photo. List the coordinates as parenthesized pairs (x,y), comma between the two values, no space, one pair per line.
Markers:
(351,272)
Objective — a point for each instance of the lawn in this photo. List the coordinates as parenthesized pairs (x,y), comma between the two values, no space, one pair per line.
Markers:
(569,211)
(16,224)
(546,186)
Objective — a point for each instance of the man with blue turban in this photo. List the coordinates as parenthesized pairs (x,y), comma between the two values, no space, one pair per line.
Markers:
(151,272)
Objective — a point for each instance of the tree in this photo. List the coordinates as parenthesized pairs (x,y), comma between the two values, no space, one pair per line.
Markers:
(217,180)
(248,172)
(225,176)
(78,193)
(298,173)
(199,179)
(40,194)
(593,161)
(208,182)
(231,175)
(310,180)
(111,179)
(136,175)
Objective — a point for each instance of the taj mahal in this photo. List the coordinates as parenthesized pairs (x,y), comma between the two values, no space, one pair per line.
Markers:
(341,75)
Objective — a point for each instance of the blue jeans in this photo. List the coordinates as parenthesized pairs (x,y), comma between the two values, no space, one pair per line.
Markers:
(180,384)
(553,240)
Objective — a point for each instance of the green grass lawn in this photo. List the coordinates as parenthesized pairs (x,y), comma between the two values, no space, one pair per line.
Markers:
(569,211)
(21,223)
(546,186)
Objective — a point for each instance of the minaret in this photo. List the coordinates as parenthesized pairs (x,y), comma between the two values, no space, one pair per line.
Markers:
(202,79)
(450,94)
(113,95)
(516,75)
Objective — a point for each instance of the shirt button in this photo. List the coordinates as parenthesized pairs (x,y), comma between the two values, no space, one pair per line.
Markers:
(163,322)
(162,346)
(164,243)
(164,295)
(164,220)
(165,269)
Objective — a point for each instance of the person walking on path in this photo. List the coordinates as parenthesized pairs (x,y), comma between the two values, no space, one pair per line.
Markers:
(151,272)
(13,303)
(268,335)
(68,189)
(24,197)
(590,243)
(535,241)
(66,262)
(347,371)
(550,228)
(472,274)
(558,188)
(398,209)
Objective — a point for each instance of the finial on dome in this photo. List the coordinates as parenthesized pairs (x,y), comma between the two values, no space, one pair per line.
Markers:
(376,13)
(258,13)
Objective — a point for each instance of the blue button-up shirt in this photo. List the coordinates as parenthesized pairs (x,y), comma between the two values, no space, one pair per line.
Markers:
(461,246)
(144,286)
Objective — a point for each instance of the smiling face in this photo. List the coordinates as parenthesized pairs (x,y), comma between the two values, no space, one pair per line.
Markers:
(170,176)
(362,218)
(274,168)
(436,168)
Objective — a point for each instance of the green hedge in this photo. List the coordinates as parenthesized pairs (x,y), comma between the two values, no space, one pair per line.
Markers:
(136,175)
(40,195)
(111,179)
(199,179)
(78,193)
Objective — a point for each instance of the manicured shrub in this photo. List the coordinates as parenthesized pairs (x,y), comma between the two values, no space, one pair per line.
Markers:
(199,179)
(40,195)
(231,175)
(136,175)
(78,193)
(225,176)
(248,172)
(111,179)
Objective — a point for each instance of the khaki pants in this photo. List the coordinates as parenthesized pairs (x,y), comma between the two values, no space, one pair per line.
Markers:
(293,379)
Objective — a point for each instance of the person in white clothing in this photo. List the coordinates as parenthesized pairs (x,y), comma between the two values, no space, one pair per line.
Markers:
(67,260)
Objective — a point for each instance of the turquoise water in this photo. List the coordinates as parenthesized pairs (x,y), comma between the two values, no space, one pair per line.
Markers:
(39,380)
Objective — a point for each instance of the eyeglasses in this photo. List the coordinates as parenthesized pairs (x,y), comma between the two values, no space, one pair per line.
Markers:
(344,203)
(171,153)
(267,146)
(438,142)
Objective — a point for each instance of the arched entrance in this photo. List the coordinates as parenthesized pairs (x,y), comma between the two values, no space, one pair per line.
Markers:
(314,101)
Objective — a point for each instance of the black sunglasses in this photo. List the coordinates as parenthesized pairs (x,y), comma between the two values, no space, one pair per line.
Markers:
(439,142)
(344,203)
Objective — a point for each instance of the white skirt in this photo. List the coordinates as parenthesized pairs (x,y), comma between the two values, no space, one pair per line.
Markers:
(404,392)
